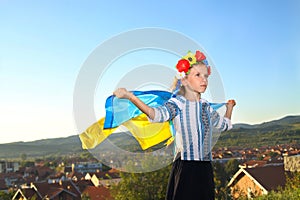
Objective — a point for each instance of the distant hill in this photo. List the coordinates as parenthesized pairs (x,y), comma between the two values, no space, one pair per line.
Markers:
(288,120)
(282,131)
(39,148)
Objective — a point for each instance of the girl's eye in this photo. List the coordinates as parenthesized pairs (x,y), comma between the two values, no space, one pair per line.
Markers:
(197,74)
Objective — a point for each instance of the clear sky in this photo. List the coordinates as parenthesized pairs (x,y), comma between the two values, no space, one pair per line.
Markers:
(255,46)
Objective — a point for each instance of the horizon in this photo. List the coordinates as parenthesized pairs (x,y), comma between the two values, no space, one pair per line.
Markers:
(116,133)
(45,45)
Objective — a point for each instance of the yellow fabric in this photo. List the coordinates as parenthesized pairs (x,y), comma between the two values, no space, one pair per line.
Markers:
(146,133)
(95,134)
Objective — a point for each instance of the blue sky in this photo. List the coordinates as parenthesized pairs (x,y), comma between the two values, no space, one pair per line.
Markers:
(255,45)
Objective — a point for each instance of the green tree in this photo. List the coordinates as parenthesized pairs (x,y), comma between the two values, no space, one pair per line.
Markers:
(87,156)
(220,179)
(23,156)
(222,175)
(27,163)
(231,167)
(142,186)
(85,197)
(4,195)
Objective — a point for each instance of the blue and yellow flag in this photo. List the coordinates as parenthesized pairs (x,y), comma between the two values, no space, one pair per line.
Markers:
(123,112)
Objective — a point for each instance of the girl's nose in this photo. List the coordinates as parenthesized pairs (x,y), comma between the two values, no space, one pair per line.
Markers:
(204,79)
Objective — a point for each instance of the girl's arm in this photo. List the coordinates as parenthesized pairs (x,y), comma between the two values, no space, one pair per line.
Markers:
(124,94)
(223,123)
(229,107)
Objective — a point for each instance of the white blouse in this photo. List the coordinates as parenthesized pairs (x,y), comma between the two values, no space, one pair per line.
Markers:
(193,122)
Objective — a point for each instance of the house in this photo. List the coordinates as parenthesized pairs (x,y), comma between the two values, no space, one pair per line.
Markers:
(97,193)
(41,172)
(53,191)
(74,176)
(87,167)
(56,177)
(11,178)
(32,193)
(82,184)
(6,166)
(250,182)
(107,178)
(253,163)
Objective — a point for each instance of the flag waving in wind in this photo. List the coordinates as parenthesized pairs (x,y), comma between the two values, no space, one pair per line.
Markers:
(121,112)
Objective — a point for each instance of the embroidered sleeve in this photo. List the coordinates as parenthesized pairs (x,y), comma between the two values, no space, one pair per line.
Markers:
(221,123)
(166,112)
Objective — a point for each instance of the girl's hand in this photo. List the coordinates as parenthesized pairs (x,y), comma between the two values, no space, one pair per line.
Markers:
(231,103)
(122,93)
(229,107)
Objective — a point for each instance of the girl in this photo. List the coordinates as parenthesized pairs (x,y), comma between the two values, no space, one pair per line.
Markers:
(192,173)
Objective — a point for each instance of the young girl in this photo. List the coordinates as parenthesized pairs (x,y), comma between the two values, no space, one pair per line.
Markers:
(193,117)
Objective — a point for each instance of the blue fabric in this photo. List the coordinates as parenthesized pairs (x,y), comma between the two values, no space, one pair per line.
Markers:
(119,111)
(216,106)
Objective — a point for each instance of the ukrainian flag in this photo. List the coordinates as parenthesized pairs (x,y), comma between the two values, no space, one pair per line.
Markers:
(123,112)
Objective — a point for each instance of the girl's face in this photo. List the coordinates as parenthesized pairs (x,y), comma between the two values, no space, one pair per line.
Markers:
(197,79)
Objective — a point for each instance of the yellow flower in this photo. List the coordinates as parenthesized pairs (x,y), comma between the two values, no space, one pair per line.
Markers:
(190,57)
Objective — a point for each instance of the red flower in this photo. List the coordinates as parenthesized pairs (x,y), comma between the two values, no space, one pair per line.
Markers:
(208,70)
(200,56)
(183,65)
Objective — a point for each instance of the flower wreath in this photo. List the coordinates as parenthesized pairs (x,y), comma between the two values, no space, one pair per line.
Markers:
(184,65)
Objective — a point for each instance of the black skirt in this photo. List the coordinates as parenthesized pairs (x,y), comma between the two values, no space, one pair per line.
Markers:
(191,180)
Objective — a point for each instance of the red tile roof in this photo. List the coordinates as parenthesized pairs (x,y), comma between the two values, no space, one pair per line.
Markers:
(254,163)
(53,189)
(98,193)
(68,185)
(82,184)
(270,177)
(73,174)
(28,193)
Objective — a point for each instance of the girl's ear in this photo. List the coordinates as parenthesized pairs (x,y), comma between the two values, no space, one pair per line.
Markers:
(184,81)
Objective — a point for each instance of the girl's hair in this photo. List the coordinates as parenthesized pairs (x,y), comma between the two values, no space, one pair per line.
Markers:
(177,87)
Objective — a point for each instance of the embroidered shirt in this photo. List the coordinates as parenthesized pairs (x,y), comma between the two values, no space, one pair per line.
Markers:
(193,122)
